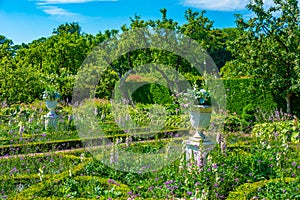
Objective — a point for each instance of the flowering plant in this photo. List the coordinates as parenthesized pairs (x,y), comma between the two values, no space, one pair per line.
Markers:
(201,95)
(51,94)
(198,97)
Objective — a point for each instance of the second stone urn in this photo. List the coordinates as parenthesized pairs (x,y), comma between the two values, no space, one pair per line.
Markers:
(200,116)
(51,118)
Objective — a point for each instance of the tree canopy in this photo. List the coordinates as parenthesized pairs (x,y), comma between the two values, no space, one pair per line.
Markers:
(268,47)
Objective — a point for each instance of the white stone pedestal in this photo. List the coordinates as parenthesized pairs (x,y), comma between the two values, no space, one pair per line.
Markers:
(196,149)
(51,118)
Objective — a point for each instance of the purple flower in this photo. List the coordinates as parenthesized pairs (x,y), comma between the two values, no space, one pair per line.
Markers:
(223,147)
(294,163)
(168,182)
(215,166)
(21,130)
(150,188)
(111,181)
(30,120)
(189,193)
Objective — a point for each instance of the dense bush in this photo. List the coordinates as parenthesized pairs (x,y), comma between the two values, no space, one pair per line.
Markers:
(286,188)
(152,93)
(278,131)
(240,93)
(244,91)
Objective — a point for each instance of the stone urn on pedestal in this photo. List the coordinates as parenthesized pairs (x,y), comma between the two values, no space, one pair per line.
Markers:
(200,116)
(51,118)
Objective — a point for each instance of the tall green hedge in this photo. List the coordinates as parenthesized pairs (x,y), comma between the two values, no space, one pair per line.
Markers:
(243,91)
(152,93)
(239,93)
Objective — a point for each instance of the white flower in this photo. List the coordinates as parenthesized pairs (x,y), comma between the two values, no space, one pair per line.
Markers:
(41,174)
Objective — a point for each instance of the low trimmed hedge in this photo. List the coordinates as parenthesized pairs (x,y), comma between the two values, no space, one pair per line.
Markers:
(106,183)
(278,131)
(244,190)
(38,147)
(30,192)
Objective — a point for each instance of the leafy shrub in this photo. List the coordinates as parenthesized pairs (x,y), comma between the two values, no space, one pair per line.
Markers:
(281,189)
(277,131)
(152,94)
(248,117)
(232,123)
(250,190)
(86,187)
(244,91)
(40,188)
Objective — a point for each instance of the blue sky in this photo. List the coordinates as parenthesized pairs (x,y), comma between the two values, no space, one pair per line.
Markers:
(26,20)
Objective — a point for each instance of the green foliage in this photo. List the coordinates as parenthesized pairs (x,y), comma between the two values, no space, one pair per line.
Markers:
(37,188)
(240,94)
(152,94)
(106,84)
(248,113)
(249,190)
(281,189)
(20,84)
(278,131)
(268,47)
(86,187)
(232,123)
(248,117)
(244,91)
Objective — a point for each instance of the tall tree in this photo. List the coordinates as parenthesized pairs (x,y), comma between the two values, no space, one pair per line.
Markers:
(268,47)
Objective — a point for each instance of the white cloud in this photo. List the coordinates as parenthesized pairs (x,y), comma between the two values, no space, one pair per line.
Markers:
(221,5)
(56,11)
(45,2)
(50,6)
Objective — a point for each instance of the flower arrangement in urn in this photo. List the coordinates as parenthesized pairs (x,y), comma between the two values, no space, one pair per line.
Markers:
(51,94)
(200,94)
(196,98)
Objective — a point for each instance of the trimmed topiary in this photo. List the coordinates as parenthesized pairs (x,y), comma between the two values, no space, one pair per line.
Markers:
(243,191)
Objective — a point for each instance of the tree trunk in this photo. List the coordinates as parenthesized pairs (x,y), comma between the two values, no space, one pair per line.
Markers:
(288,103)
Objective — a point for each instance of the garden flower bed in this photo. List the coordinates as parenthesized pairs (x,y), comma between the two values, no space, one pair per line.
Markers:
(56,165)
